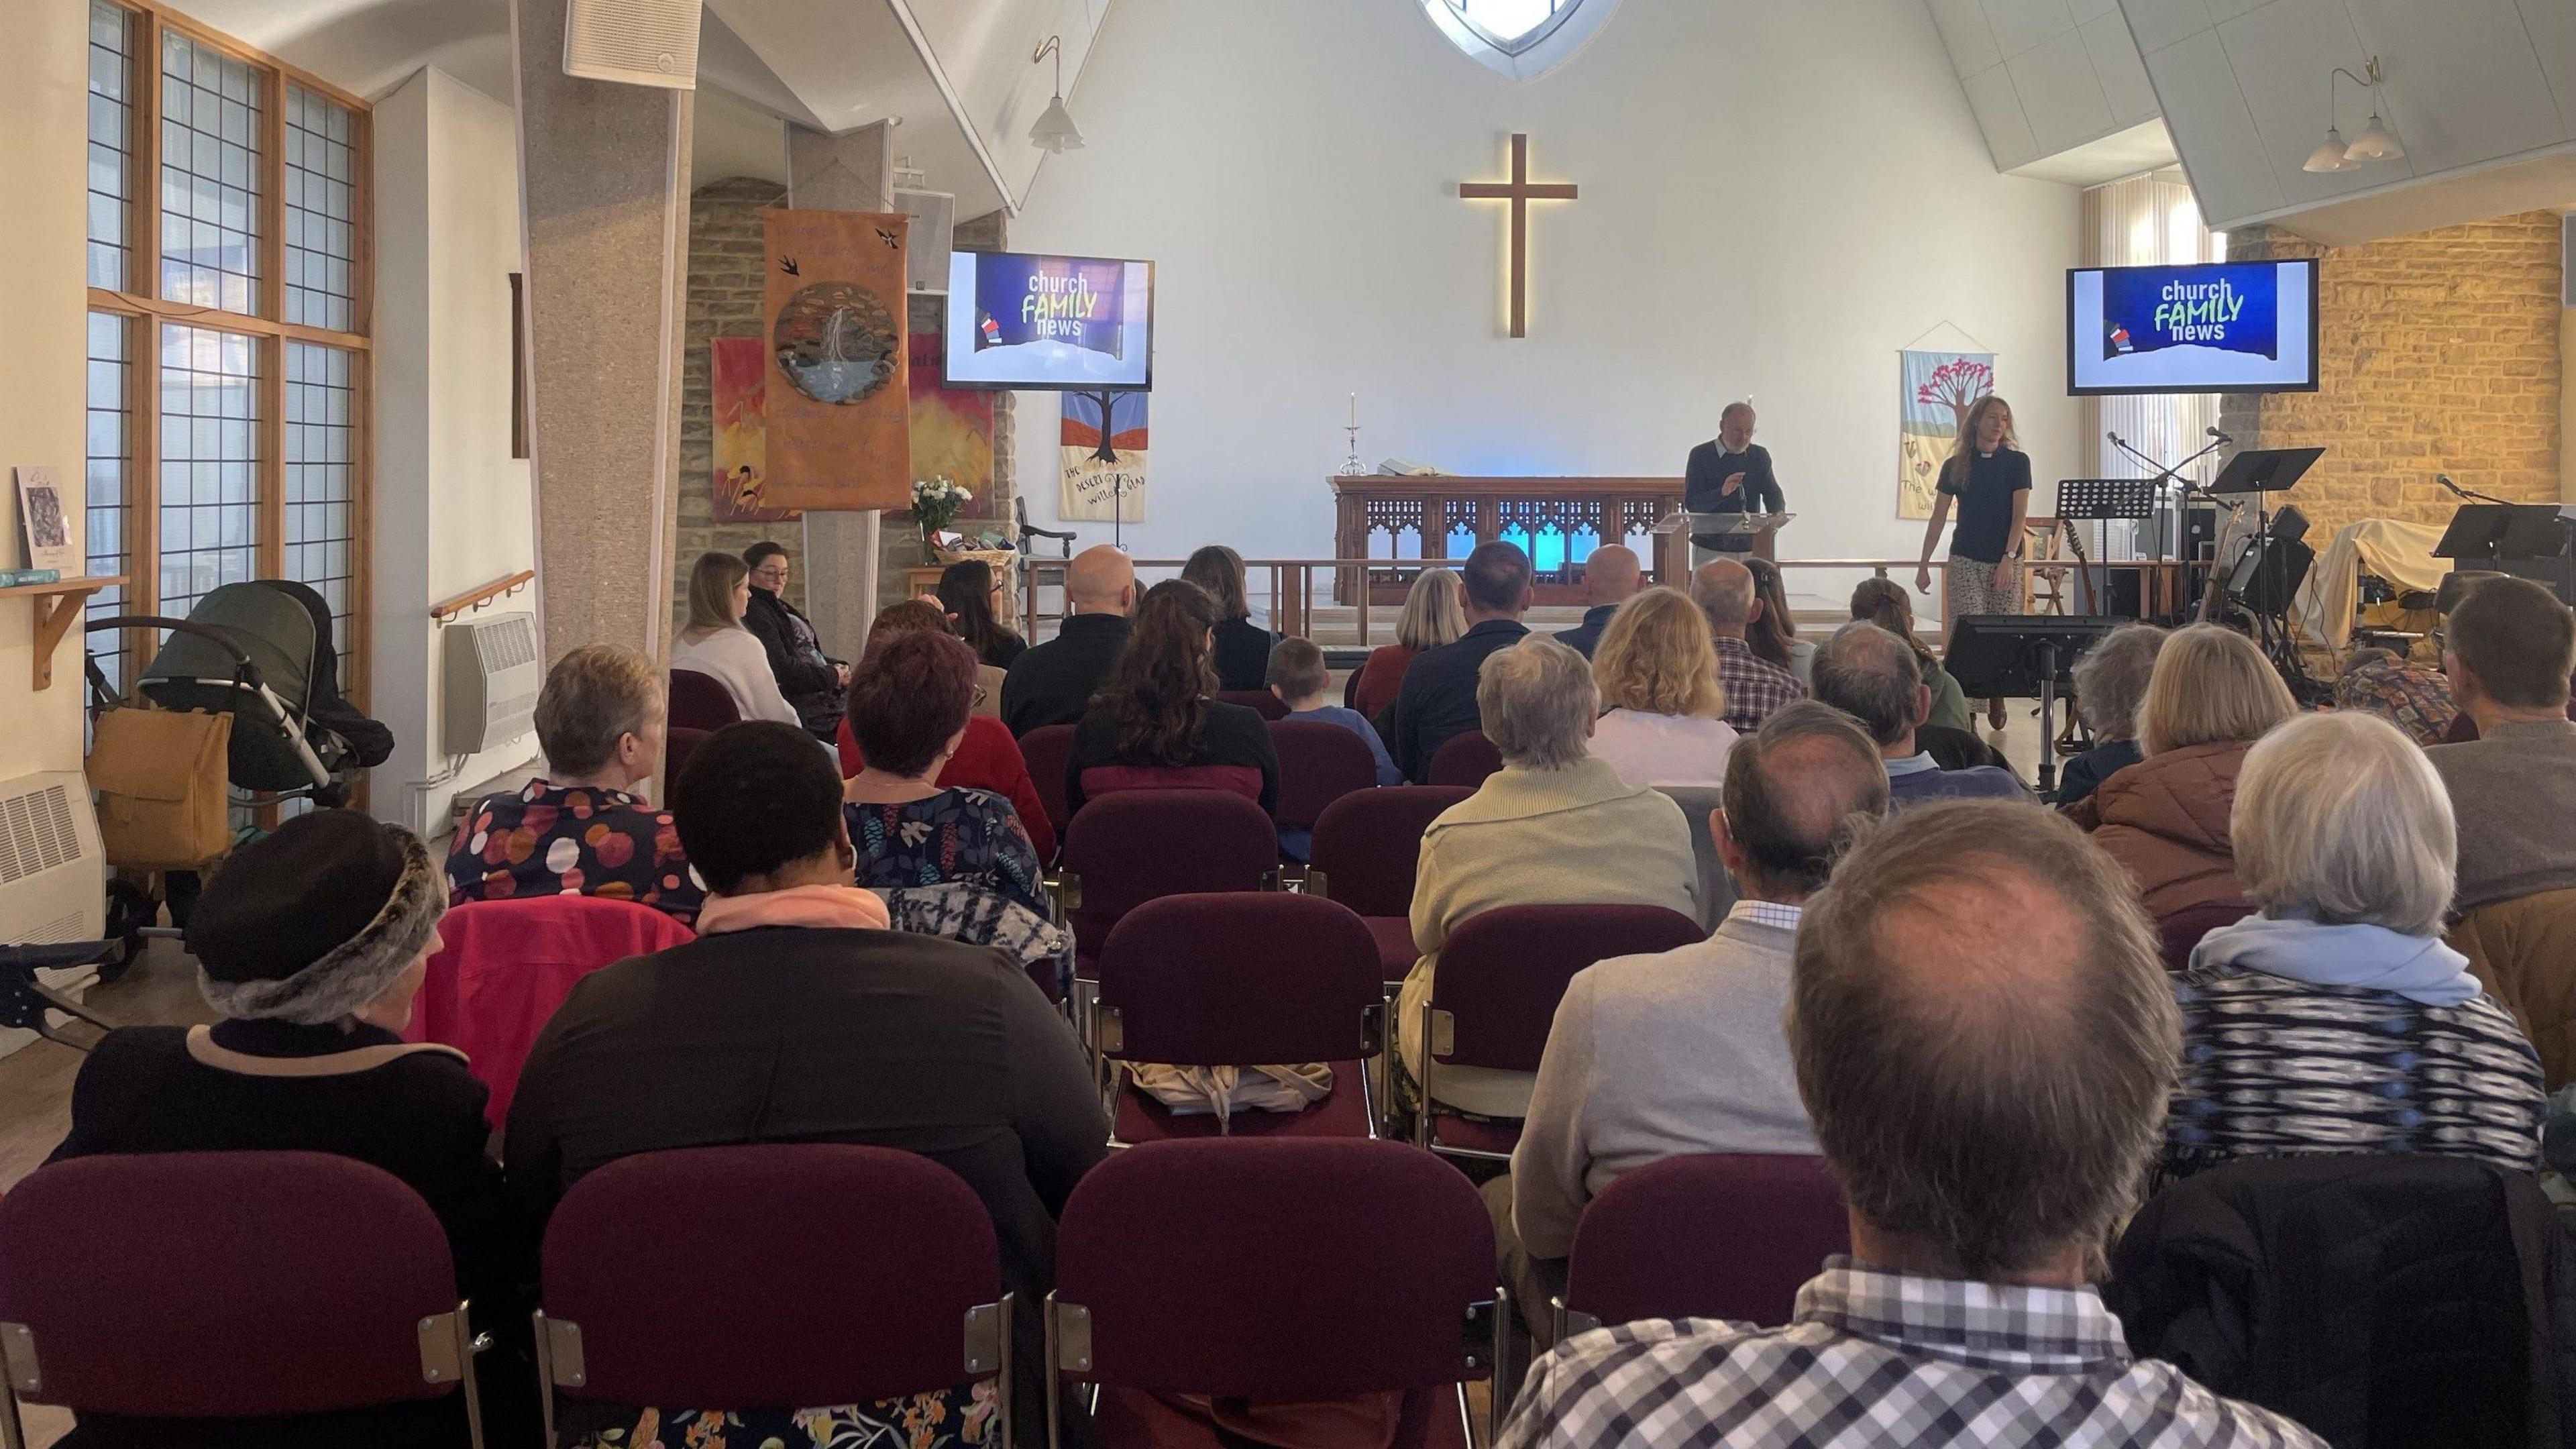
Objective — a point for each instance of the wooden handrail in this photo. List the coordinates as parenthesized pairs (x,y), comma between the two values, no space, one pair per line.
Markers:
(446,609)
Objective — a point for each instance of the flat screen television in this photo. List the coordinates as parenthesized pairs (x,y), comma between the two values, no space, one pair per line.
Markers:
(1074,324)
(2211,327)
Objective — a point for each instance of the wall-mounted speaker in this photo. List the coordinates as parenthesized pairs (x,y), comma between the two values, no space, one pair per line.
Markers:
(633,42)
(934,235)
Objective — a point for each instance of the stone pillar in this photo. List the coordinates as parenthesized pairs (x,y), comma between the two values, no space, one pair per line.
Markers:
(604,177)
(841,173)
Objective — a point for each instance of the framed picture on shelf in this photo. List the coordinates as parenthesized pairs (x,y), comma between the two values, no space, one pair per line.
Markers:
(45,521)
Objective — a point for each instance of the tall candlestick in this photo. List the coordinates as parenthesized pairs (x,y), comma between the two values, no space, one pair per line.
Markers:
(1355,410)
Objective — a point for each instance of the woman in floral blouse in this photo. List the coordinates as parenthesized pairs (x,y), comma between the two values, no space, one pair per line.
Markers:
(908,710)
(579,831)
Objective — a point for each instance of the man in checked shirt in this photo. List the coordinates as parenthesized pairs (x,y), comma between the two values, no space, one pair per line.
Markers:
(1984,1037)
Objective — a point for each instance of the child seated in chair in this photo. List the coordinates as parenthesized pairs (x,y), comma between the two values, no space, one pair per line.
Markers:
(1299,680)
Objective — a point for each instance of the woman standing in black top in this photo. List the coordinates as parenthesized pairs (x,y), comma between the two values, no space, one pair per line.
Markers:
(967,593)
(1241,648)
(1153,717)
(1990,476)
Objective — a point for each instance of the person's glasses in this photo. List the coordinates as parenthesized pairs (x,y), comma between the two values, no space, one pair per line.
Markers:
(769,574)
(979,696)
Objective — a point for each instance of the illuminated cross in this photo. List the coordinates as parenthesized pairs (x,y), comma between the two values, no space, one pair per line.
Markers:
(1520,193)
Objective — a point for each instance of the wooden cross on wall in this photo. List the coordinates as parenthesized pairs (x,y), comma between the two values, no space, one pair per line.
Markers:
(1520,192)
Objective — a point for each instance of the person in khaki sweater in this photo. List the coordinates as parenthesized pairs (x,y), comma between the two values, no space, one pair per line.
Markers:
(1554,827)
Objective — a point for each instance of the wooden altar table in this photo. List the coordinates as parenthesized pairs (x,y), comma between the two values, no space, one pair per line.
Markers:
(1372,512)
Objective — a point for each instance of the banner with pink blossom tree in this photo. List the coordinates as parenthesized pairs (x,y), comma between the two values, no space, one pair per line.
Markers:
(1937,388)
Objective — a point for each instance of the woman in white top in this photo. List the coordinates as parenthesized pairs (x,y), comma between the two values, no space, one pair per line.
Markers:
(716,644)
(1658,678)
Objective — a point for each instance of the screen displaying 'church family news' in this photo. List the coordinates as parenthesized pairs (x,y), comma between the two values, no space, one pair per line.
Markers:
(2217,327)
(1076,323)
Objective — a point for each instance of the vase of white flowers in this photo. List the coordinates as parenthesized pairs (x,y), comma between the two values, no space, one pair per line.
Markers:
(935,503)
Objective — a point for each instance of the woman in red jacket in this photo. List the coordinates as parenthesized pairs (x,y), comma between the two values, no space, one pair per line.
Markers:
(1435,613)
(987,759)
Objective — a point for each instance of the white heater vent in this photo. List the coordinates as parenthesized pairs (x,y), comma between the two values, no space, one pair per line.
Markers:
(633,42)
(489,681)
(53,876)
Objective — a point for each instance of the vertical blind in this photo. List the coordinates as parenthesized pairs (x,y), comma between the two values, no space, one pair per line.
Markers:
(2146,221)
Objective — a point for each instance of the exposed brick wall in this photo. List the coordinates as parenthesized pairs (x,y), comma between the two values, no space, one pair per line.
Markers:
(723,301)
(2439,352)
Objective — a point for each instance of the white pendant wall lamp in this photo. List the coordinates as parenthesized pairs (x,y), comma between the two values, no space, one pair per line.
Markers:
(2375,143)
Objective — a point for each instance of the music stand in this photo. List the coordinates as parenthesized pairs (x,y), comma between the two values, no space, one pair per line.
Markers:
(2100,500)
(2264,472)
(2024,656)
(2475,531)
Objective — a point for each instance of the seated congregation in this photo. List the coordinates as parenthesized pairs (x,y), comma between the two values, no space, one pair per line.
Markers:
(2202,1105)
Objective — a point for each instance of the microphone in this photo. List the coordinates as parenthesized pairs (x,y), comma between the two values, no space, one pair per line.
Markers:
(2455,489)
(2222,437)
(2115,440)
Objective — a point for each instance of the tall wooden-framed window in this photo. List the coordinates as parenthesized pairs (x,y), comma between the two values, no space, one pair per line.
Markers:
(229,281)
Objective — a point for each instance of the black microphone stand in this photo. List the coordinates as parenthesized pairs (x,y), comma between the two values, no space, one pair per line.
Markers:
(2182,508)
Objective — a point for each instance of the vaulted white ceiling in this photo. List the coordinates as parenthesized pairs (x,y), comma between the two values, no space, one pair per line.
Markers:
(2482,94)
(2473,88)
(953,75)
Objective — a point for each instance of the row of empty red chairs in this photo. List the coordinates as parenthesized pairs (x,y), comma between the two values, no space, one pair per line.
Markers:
(258,1284)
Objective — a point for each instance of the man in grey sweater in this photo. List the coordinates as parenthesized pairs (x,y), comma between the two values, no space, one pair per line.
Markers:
(1680,1052)
(2509,648)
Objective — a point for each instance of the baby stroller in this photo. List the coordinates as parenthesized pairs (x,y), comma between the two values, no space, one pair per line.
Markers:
(260,651)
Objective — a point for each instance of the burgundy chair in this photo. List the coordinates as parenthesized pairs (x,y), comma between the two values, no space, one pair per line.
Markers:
(783,1275)
(1047,750)
(1494,995)
(1319,763)
(1464,760)
(1366,847)
(1260,700)
(700,702)
(229,1285)
(1758,1228)
(1133,846)
(681,743)
(1234,979)
(2182,930)
(1284,1270)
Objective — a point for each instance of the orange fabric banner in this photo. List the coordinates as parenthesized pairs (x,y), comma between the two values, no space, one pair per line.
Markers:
(838,399)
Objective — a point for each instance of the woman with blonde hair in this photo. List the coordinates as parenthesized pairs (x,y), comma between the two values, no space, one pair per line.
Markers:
(2336,1019)
(1435,613)
(715,643)
(1990,476)
(2210,696)
(1658,682)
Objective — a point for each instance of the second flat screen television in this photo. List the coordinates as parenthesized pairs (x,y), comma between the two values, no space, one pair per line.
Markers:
(2212,327)
(1075,324)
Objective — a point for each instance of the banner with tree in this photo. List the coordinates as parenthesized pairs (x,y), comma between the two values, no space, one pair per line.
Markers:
(1103,451)
(1935,390)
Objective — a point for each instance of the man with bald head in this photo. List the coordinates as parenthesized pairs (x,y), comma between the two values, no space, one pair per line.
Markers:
(1052,683)
(1754,686)
(1611,577)
(1875,677)
(1985,1040)
(1656,1056)
(1730,474)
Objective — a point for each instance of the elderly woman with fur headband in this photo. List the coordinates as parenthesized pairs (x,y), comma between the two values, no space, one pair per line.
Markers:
(311,943)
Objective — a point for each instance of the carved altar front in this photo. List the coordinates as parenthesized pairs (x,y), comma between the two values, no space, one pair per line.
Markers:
(1409,521)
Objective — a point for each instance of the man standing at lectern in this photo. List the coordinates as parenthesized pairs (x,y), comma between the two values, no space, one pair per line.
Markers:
(1731,474)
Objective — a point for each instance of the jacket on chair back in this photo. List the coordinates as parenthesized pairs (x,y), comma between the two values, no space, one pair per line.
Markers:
(2382,1300)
